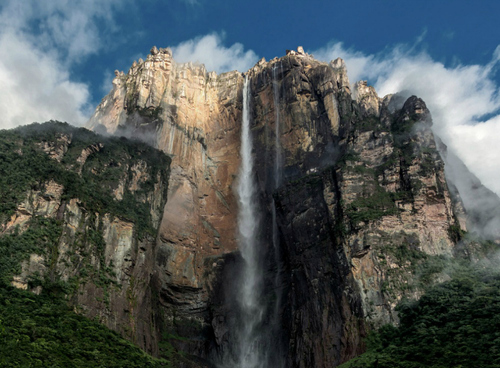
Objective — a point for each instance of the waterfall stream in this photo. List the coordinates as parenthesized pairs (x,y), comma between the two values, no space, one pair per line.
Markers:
(254,345)
(250,354)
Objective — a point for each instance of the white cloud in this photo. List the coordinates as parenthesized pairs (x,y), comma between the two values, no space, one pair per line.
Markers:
(456,96)
(35,87)
(40,42)
(210,51)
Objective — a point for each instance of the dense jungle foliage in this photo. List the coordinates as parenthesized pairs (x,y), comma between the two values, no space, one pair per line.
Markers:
(455,324)
(42,331)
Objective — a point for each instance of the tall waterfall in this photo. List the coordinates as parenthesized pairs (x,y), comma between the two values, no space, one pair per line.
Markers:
(250,352)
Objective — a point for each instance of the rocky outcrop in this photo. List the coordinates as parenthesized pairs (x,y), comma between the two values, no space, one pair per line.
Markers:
(37,202)
(367,99)
(397,207)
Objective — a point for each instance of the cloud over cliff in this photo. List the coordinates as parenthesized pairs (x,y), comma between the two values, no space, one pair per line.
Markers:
(41,41)
(209,50)
(464,99)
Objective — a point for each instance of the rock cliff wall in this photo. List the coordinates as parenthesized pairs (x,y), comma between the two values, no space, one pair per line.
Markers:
(355,208)
(84,214)
(363,202)
(194,116)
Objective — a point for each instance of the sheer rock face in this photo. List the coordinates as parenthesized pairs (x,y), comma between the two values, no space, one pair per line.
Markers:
(367,99)
(400,161)
(360,178)
(104,262)
(194,116)
(360,198)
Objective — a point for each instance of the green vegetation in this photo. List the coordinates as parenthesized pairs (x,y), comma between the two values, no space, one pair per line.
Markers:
(349,155)
(407,149)
(428,158)
(455,324)
(150,112)
(24,166)
(27,163)
(371,123)
(375,202)
(403,126)
(373,207)
(456,233)
(416,269)
(42,331)
(42,235)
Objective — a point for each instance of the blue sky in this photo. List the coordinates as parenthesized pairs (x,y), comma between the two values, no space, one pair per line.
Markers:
(452,32)
(58,56)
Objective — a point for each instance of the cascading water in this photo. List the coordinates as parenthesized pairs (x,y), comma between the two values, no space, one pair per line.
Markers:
(249,350)
(255,342)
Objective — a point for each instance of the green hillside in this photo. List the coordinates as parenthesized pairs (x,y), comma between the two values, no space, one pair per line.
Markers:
(455,324)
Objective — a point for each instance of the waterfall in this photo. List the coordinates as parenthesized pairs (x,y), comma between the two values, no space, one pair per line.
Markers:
(255,344)
(249,350)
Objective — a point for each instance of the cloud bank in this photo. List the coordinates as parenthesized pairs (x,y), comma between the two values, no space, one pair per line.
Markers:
(210,51)
(40,42)
(464,100)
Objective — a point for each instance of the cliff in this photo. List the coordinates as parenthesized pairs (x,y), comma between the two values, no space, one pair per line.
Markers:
(194,116)
(357,187)
(355,211)
(84,213)
(363,205)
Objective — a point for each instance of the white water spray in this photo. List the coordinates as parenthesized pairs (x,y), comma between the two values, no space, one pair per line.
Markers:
(250,353)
